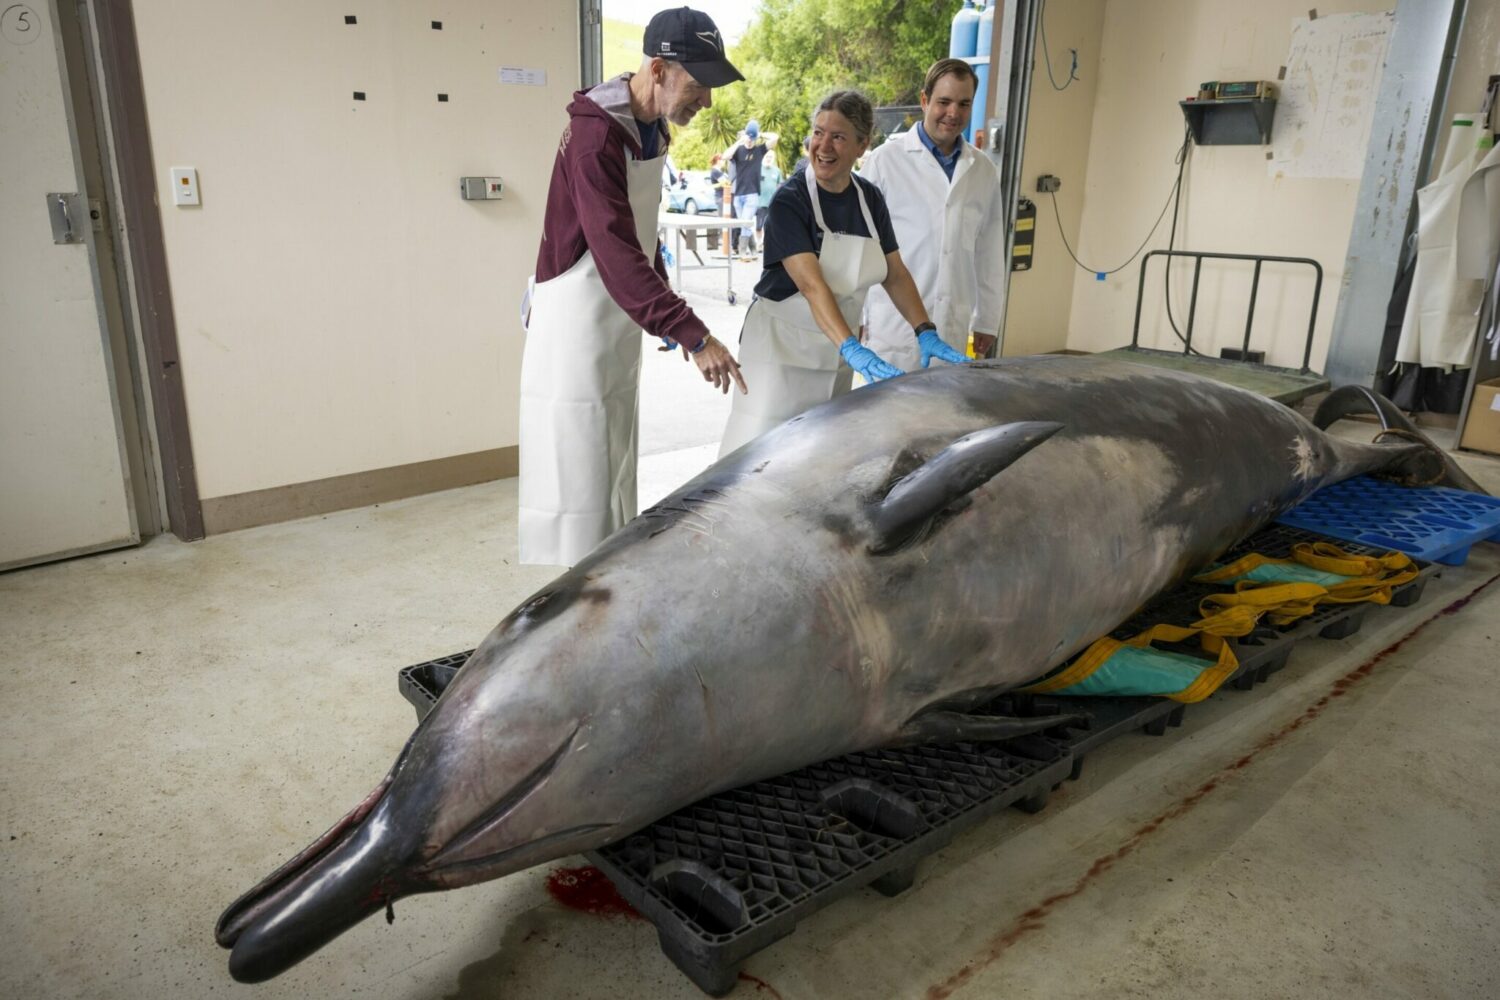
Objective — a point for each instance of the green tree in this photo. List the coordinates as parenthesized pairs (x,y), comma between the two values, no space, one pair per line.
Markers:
(795,51)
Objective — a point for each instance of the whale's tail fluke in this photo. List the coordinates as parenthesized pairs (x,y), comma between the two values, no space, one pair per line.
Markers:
(1430,466)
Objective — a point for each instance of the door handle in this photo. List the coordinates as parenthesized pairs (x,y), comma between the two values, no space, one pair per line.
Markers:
(62,205)
(60,208)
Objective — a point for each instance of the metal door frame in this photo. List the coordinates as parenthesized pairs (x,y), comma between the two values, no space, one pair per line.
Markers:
(591,43)
(1016,47)
(108,38)
(110,274)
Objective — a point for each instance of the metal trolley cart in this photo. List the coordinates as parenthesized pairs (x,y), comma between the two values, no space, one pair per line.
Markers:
(675,223)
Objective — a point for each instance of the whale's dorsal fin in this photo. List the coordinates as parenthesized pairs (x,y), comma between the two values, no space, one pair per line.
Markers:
(908,509)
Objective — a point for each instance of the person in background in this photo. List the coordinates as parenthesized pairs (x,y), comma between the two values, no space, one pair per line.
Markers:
(801,163)
(671,177)
(745,159)
(716,179)
(599,281)
(828,242)
(949,217)
(770,180)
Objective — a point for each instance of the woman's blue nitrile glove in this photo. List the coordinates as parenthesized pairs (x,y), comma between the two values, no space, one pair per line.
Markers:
(865,361)
(933,347)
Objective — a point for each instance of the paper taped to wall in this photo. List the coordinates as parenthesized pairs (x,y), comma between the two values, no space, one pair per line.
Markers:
(1328,96)
(523,76)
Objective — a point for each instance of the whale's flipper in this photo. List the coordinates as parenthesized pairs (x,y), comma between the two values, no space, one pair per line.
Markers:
(943,726)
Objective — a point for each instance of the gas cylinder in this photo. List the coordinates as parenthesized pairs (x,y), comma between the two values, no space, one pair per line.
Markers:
(984,30)
(963,35)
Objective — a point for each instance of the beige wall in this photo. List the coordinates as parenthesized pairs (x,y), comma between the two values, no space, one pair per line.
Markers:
(339,307)
(1058,131)
(1154,55)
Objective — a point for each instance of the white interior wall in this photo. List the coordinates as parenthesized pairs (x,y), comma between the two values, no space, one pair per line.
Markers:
(1154,55)
(339,307)
(1058,129)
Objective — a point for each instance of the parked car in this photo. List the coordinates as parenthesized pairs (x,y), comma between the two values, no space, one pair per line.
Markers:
(691,194)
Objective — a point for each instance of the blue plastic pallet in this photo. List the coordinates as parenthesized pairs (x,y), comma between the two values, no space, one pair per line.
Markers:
(1434,523)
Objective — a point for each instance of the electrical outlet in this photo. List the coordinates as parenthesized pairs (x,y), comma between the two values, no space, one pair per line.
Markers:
(481,188)
(1047,184)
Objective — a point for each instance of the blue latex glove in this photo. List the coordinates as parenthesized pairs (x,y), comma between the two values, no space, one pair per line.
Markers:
(865,361)
(933,347)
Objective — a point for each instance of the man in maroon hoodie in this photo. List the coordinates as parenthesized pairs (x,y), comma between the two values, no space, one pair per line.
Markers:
(600,280)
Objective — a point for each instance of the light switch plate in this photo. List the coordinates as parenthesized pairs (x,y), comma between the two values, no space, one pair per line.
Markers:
(185,186)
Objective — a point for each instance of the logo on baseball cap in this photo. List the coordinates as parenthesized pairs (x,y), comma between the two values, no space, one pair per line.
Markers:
(691,38)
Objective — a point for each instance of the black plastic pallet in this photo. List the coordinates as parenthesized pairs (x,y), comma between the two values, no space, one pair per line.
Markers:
(725,877)
(731,874)
(423,683)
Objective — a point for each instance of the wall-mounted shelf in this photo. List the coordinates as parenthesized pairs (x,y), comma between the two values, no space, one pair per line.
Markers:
(1231,122)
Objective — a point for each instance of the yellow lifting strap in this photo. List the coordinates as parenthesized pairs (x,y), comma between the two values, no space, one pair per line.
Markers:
(1230,614)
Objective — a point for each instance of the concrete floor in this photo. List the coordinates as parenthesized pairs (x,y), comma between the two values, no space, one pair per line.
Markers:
(179,719)
(678,409)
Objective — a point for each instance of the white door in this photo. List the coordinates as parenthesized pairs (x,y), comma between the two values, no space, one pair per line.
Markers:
(63,479)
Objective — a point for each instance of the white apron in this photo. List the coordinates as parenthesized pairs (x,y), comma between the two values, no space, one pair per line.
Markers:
(580,382)
(789,364)
(1478,238)
(1441,313)
(1478,244)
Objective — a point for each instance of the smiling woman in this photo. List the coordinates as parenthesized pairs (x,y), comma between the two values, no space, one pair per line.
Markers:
(840,135)
(828,242)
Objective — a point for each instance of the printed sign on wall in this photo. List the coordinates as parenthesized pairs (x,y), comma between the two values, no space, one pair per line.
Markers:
(1328,96)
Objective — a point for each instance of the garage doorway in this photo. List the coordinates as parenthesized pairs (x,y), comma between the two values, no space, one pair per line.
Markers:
(681,417)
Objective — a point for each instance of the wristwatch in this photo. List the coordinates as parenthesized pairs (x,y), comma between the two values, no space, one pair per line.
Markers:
(701,344)
(922,328)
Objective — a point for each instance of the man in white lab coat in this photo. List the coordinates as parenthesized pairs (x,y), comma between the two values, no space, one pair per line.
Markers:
(948,213)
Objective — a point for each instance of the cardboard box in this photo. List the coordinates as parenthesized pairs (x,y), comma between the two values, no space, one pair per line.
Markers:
(1482,431)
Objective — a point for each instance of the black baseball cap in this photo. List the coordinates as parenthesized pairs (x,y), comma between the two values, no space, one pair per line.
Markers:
(690,37)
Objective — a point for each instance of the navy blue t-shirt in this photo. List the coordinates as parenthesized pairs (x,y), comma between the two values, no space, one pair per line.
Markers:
(791,228)
(650,138)
(747,161)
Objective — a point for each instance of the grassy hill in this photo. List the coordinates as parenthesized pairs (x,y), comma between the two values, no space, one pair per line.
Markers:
(622,47)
